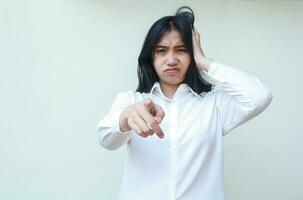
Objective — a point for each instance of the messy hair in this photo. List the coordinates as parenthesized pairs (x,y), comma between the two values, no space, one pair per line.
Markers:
(182,21)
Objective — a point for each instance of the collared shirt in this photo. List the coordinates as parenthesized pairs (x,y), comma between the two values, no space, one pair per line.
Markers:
(187,163)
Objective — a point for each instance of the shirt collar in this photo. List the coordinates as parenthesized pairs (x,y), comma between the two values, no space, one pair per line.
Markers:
(183,87)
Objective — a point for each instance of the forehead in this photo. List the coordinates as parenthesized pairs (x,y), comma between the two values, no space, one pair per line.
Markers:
(171,37)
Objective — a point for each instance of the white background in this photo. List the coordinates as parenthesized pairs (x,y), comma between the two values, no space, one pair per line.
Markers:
(63,62)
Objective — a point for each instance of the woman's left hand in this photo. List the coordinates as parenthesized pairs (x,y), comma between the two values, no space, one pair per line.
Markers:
(201,60)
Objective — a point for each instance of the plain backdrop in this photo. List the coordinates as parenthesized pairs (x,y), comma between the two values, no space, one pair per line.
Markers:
(63,61)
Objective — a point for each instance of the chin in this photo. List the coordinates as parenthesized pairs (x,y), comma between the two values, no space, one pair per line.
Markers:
(173,82)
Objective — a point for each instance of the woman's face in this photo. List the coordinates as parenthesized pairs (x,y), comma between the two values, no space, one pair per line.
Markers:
(171,58)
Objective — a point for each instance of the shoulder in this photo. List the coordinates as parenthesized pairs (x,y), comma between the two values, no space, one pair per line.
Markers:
(130,96)
(213,95)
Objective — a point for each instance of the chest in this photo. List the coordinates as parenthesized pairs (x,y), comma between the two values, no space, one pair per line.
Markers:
(187,122)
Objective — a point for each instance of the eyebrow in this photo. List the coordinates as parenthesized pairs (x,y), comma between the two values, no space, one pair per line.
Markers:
(163,46)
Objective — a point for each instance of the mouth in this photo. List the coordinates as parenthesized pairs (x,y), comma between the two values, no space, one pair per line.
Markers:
(172,70)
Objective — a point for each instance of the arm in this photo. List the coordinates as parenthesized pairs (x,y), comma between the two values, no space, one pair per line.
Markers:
(125,119)
(110,135)
(242,96)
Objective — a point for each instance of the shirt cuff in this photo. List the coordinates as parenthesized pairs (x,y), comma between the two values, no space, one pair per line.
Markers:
(211,69)
(210,75)
(117,131)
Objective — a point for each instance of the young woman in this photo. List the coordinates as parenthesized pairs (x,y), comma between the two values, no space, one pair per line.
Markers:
(174,122)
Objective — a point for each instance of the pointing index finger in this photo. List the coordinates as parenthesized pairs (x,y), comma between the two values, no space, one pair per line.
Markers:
(159,113)
(155,126)
(152,123)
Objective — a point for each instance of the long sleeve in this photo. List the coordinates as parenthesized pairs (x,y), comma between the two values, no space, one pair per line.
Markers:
(240,97)
(110,135)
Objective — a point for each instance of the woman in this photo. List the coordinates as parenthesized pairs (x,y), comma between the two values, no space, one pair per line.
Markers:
(174,123)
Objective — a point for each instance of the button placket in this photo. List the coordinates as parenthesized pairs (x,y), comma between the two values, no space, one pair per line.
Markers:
(173,147)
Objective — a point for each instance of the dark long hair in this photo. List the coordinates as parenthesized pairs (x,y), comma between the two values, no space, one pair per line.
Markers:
(183,21)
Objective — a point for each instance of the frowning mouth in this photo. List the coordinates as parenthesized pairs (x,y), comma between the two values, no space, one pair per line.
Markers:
(172,70)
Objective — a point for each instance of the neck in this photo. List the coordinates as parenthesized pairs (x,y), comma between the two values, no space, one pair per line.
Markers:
(168,90)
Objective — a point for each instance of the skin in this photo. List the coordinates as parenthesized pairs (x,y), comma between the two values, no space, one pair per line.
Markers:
(145,116)
(171,52)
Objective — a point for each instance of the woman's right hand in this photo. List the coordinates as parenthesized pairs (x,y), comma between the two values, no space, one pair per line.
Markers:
(143,117)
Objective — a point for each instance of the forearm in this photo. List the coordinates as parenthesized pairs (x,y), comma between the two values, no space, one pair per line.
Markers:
(204,63)
(112,138)
(123,125)
(110,134)
(243,97)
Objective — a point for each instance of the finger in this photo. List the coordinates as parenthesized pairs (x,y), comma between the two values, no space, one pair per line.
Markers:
(137,129)
(149,104)
(154,109)
(159,113)
(152,122)
(195,35)
(196,32)
(143,125)
(146,114)
(194,29)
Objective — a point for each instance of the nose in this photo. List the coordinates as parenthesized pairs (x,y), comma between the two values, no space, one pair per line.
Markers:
(172,59)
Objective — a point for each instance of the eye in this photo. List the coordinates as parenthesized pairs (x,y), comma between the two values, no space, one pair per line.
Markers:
(159,50)
(182,50)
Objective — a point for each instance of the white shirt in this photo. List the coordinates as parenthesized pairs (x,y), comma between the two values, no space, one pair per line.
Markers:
(187,163)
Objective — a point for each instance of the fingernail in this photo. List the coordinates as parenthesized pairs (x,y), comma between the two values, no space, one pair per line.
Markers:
(158,120)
